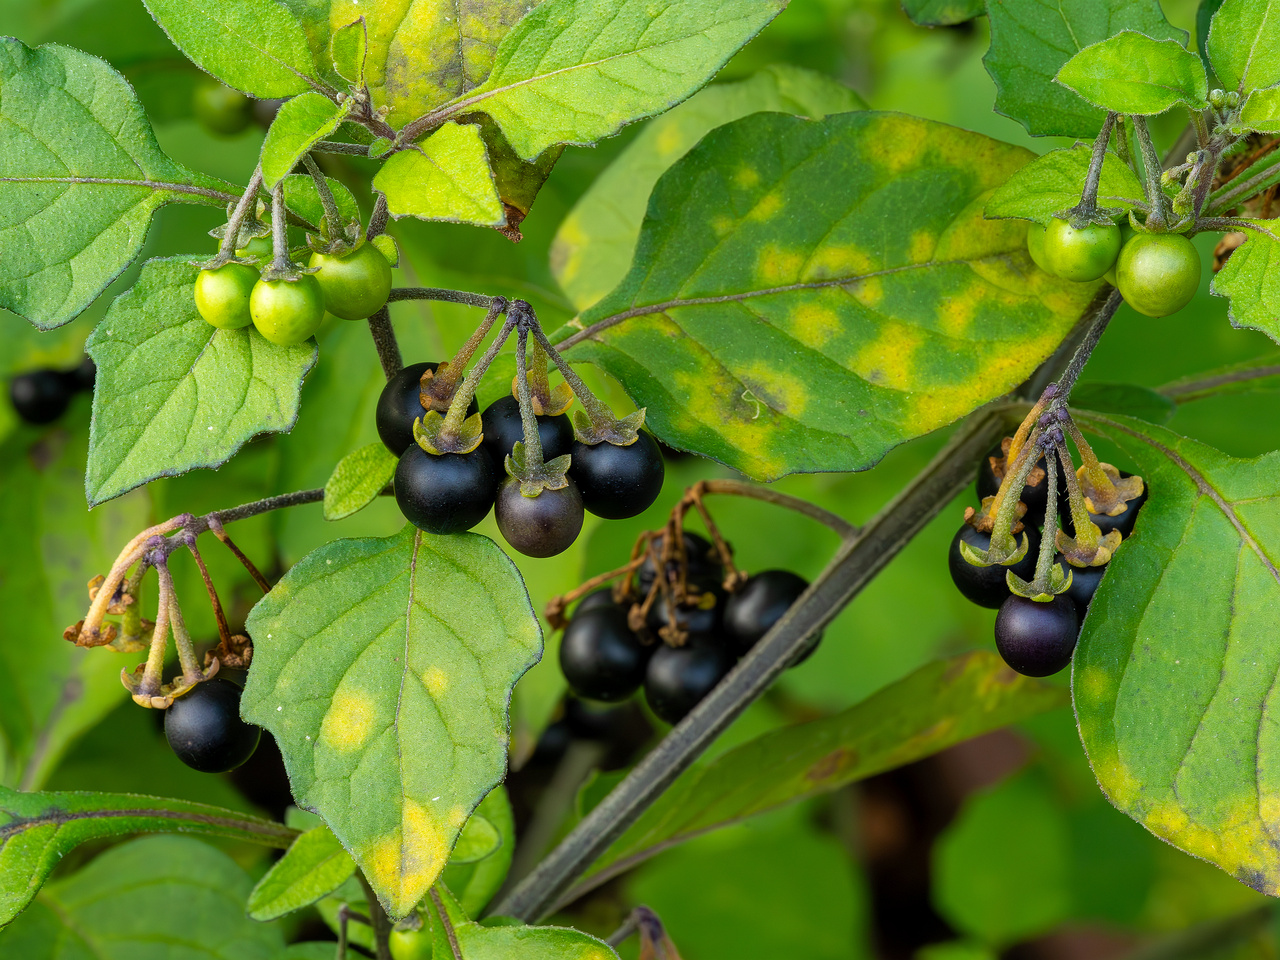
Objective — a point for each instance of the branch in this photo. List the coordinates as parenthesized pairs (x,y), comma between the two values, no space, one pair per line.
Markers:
(1185,391)
(439,293)
(384,341)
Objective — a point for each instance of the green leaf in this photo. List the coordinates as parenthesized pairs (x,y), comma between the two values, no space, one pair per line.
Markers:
(593,247)
(301,123)
(1250,279)
(1173,677)
(1244,44)
(312,868)
(357,480)
(1032,39)
(446,177)
(474,884)
(154,897)
(573,71)
(806,295)
(301,196)
(1133,74)
(384,668)
(256,46)
(348,49)
(940,704)
(38,829)
(1127,398)
(52,691)
(476,942)
(80,176)
(942,13)
(1053,182)
(516,179)
(1262,111)
(478,839)
(175,393)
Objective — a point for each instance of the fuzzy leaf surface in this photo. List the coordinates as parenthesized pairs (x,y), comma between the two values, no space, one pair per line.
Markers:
(1131,73)
(942,13)
(154,897)
(384,667)
(806,295)
(1250,279)
(301,196)
(357,480)
(593,248)
(313,867)
(938,705)
(1032,39)
(81,174)
(1262,111)
(446,178)
(1174,680)
(1244,44)
(175,393)
(1053,182)
(301,123)
(38,829)
(573,71)
(256,46)
(476,942)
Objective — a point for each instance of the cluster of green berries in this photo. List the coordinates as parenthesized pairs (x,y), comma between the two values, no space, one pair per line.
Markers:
(1035,637)
(1156,273)
(42,396)
(288,311)
(607,655)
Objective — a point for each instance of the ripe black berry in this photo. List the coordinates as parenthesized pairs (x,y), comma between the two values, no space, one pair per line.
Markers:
(540,526)
(399,405)
(618,482)
(1035,494)
(702,616)
(204,728)
(600,656)
(679,677)
(83,376)
(1123,522)
(703,564)
(40,396)
(503,427)
(1084,584)
(448,493)
(986,586)
(759,604)
(595,599)
(1035,638)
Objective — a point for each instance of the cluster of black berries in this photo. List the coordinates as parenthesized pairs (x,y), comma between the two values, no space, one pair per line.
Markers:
(452,492)
(1036,638)
(42,396)
(610,648)
(204,728)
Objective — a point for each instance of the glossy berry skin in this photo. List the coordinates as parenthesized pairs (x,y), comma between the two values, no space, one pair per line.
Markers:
(987,586)
(1037,639)
(1035,246)
(204,728)
(83,377)
(220,109)
(760,603)
(1158,273)
(410,944)
(446,493)
(618,482)
(594,600)
(1124,522)
(1034,496)
(40,396)
(703,565)
(540,526)
(503,427)
(703,618)
(1081,255)
(222,295)
(1084,584)
(355,286)
(679,677)
(287,312)
(600,656)
(259,248)
(400,404)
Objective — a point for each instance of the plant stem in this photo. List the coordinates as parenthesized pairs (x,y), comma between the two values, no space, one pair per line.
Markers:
(1258,176)
(332,216)
(280,262)
(1083,352)
(384,341)
(846,530)
(378,920)
(601,416)
(445,922)
(231,239)
(1088,205)
(1185,391)
(531,439)
(253,509)
(334,146)
(453,420)
(1157,217)
(378,218)
(441,294)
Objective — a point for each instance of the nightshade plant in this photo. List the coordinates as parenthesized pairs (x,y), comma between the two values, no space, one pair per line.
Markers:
(801,285)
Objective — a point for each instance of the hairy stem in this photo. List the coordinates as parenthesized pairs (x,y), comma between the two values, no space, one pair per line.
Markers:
(1088,204)
(1157,217)
(231,239)
(441,294)
(384,341)
(1083,352)
(739,488)
(332,216)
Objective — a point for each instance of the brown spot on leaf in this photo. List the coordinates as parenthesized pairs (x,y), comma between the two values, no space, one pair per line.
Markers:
(831,766)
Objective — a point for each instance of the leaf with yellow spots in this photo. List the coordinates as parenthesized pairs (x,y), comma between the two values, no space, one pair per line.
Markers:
(383,668)
(939,705)
(806,295)
(1175,677)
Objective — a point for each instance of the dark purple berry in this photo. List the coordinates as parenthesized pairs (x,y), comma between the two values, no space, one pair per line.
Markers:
(760,603)
(503,427)
(204,728)
(447,493)
(679,677)
(618,482)
(1034,638)
(399,405)
(40,396)
(987,586)
(540,526)
(600,656)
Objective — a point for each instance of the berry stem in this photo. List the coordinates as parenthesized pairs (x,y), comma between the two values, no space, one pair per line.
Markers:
(231,238)
(443,384)
(441,294)
(602,418)
(1049,538)
(153,673)
(1084,212)
(1087,534)
(1157,216)
(379,217)
(224,631)
(537,376)
(281,265)
(532,440)
(215,527)
(556,606)
(384,341)
(1066,383)
(332,223)
(1005,504)
(457,414)
(738,488)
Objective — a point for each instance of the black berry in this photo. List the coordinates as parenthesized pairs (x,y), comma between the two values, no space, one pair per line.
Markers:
(986,586)
(1037,639)
(400,404)
(703,564)
(759,604)
(503,427)
(679,677)
(1123,521)
(1084,584)
(448,493)
(204,728)
(40,396)
(600,656)
(1035,494)
(618,482)
(540,526)
(596,598)
(702,615)
(83,376)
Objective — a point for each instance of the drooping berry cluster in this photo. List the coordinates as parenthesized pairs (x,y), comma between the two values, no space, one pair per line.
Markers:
(1038,546)
(42,396)
(453,457)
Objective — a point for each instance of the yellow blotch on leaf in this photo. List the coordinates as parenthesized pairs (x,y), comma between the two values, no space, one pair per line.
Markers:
(837,261)
(348,722)
(778,267)
(900,147)
(722,226)
(403,866)
(436,680)
(457,816)
(766,208)
(814,323)
(869,291)
(956,311)
(888,361)
(746,177)
(921,246)
(669,141)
